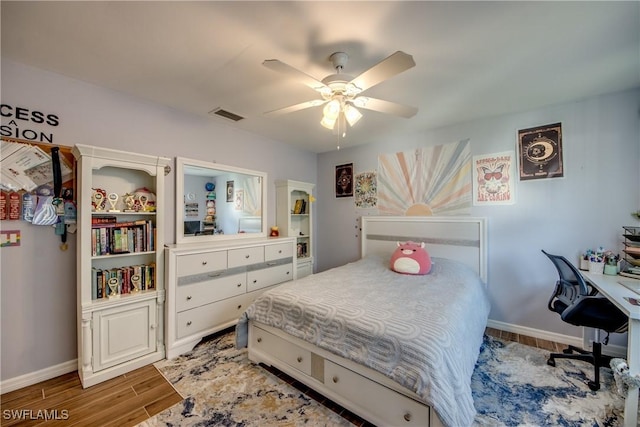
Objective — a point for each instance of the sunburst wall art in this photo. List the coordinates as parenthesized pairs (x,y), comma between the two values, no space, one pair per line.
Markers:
(366,191)
(426,181)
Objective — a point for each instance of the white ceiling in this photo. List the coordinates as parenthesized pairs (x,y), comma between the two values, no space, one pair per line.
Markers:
(473,59)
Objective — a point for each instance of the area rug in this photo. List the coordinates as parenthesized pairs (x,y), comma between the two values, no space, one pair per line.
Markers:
(512,386)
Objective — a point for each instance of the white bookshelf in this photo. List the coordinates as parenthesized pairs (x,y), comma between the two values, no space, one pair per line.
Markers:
(296,223)
(120,328)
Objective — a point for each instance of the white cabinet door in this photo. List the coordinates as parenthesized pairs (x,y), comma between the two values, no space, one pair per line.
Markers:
(123,333)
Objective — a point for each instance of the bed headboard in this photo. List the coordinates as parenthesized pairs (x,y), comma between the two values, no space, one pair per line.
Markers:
(460,238)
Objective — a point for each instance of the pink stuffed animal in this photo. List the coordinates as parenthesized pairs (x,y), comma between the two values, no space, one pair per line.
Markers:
(411,258)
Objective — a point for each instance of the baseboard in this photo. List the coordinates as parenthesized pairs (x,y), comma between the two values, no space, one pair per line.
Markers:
(35,377)
(612,350)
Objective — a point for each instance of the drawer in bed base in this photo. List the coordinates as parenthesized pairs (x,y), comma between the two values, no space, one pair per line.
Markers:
(325,373)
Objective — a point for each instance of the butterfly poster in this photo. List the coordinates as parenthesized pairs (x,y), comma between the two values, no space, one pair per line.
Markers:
(494,179)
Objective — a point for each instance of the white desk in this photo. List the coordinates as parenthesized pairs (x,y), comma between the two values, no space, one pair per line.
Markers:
(615,292)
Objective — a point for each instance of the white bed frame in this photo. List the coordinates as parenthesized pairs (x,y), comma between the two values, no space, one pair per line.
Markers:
(362,390)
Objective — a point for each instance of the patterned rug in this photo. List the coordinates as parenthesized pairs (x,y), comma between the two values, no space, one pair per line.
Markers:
(512,386)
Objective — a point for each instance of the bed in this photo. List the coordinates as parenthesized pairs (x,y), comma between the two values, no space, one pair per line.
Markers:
(395,349)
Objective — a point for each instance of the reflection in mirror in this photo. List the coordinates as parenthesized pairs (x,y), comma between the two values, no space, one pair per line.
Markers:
(216,201)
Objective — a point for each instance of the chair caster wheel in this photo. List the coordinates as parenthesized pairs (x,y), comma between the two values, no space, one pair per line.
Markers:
(593,386)
(551,362)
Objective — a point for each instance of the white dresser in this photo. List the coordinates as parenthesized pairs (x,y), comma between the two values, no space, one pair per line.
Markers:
(209,285)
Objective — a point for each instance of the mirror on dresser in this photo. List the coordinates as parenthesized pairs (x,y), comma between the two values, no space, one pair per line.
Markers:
(217,202)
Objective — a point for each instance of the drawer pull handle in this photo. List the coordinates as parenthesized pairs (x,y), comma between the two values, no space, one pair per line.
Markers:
(407,417)
(280,251)
(215,274)
(271,263)
(239,307)
(204,262)
(239,284)
(259,340)
(247,256)
(299,359)
(335,379)
(152,326)
(189,298)
(189,323)
(287,272)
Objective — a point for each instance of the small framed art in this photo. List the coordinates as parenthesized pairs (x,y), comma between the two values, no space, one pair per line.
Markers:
(540,152)
(344,180)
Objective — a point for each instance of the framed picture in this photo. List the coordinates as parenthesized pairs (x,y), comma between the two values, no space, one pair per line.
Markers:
(540,152)
(344,180)
(494,179)
(239,200)
(230,191)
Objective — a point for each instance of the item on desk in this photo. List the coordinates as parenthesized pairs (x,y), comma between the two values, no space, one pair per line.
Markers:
(596,267)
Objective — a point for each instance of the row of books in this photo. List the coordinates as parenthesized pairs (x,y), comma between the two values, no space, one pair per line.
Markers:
(122,237)
(123,280)
(300,207)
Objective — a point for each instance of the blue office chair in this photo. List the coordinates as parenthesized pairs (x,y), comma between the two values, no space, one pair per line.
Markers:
(579,304)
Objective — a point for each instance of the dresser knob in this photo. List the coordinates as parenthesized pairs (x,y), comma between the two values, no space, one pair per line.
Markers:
(204,262)
(239,284)
(280,251)
(189,298)
(259,340)
(335,379)
(407,417)
(299,359)
(247,256)
(189,323)
(239,307)
(152,326)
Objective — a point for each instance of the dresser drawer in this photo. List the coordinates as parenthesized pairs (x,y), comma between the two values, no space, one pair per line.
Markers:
(197,294)
(281,250)
(212,315)
(285,351)
(246,256)
(201,263)
(259,279)
(394,408)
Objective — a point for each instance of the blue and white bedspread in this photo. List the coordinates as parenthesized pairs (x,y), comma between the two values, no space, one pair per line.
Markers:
(424,332)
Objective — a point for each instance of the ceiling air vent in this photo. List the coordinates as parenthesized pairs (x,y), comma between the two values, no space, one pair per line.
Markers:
(226,114)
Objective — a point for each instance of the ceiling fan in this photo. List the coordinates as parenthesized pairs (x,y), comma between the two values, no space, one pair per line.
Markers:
(341,93)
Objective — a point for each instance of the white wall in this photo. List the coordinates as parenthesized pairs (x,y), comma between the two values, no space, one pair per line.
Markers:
(38,280)
(587,208)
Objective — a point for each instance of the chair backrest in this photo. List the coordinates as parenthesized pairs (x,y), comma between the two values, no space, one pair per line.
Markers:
(570,284)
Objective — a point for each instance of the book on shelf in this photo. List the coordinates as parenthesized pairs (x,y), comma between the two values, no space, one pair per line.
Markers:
(125,237)
(297,207)
(145,275)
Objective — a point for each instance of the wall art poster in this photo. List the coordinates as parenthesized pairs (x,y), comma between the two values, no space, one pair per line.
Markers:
(426,181)
(366,191)
(541,152)
(494,179)
(230,191)
(344,180)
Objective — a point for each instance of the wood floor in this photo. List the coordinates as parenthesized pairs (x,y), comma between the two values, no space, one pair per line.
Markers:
(123,401)
(136,396)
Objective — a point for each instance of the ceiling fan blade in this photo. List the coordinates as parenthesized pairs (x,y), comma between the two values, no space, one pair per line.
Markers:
(281,67)
(385,106)
(387,68)
(296,107)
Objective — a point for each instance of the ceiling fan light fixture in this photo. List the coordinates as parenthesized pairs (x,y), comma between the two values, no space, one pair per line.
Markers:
(328,123)
(332,109)
(352,114)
